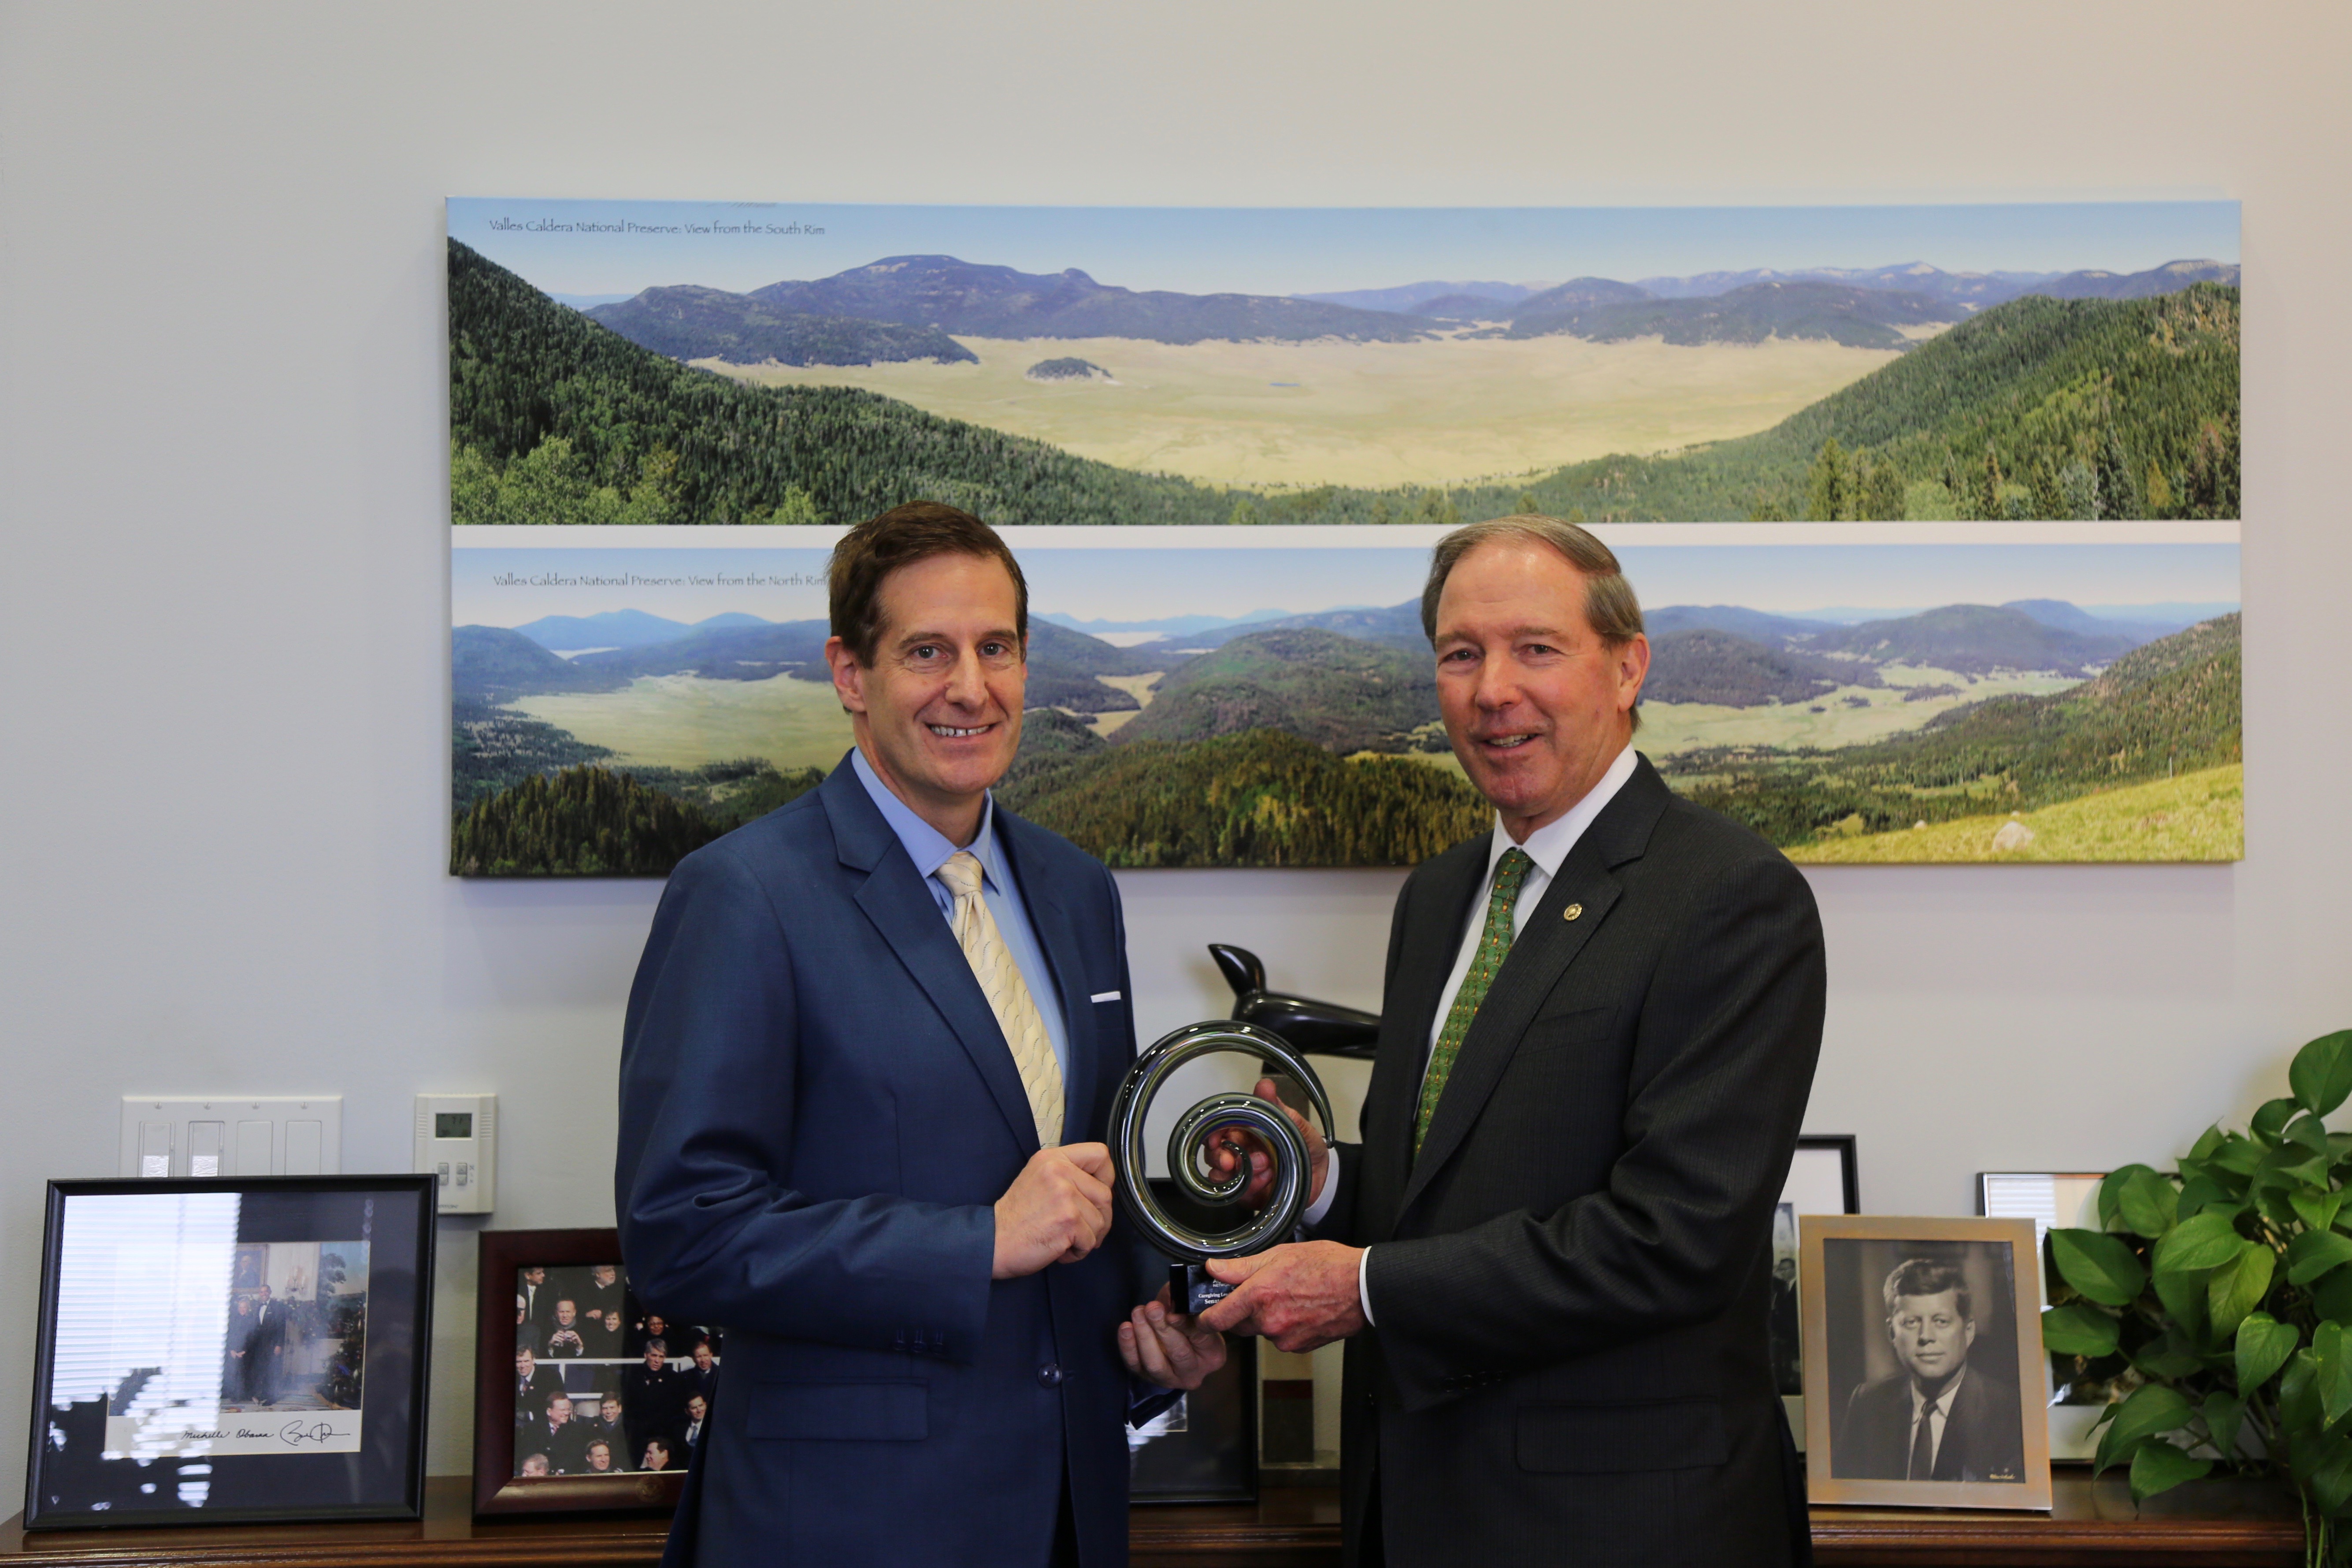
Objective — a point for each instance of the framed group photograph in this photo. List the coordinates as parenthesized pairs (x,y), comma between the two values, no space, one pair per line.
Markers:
(231,1351)
(2080,1387)
(1923,1362)
(584,1400)
(1824,1178)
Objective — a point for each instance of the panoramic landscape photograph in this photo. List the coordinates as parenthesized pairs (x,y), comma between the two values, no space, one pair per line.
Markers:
(1225,440)
(617,708)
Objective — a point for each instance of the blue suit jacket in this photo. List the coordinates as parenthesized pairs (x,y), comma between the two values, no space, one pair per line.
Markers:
(817,1110)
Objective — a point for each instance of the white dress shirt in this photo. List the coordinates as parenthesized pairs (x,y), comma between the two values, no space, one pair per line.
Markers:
(1548,847)
(1936,1423)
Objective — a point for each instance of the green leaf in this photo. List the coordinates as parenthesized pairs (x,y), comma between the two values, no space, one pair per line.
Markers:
(2237,1155)
(2223,1413)
(2310,1133)
(2160,1466)
(2328,1473)
(2299,1397)
(2272,1119)
(2263,1345)
(2183,1296)
(2207,1241)
(2200,1193)
(2147,1203)
(2078,1329)
(2207,1141)
(2152,1408)
(2321,1073)
(2170,1357)
(2317,1210)
(2331,1298)
(2332,1367)
(2314,1253)
(2111,1196)
(2101,1266)
(2238,1289)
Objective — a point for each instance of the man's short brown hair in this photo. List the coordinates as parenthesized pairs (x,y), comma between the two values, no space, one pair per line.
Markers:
(866,555)
(1610,604)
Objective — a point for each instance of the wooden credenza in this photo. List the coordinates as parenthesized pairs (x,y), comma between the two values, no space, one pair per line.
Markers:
(2094,1525)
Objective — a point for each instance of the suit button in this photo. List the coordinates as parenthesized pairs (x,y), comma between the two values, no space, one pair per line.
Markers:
(1049,1375)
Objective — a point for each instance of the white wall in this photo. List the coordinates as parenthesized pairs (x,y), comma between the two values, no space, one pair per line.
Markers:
(223,621)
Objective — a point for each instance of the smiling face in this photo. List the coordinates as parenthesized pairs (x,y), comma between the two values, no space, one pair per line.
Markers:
(938,713)
(1931,1336)
(1535,704)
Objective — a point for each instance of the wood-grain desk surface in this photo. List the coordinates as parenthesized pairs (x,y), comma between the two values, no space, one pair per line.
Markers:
(2221,1525)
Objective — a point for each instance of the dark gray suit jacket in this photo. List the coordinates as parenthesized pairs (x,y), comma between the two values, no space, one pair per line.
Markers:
(1983,1437)
(1571,1282)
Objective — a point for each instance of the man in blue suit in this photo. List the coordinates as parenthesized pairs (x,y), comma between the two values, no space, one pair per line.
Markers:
(862,1031)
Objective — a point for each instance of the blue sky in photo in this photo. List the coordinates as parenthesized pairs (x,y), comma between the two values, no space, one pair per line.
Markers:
(743,244)
(508,587)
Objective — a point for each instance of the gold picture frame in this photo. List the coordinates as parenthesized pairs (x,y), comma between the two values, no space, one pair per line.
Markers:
(1988,1443)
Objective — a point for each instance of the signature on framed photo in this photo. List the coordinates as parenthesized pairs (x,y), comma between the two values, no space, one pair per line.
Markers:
(1923,1362)
(585,1399)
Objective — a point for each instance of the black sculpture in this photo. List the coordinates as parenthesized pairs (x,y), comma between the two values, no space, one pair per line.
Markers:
(1317,1029)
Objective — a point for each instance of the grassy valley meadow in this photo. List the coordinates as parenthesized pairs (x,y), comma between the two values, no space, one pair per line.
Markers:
(1440,411)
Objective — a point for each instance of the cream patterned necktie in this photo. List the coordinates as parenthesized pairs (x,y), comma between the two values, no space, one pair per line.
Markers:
(1007,993)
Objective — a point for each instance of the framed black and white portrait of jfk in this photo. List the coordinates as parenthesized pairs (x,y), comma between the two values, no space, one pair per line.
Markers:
(1923,1373)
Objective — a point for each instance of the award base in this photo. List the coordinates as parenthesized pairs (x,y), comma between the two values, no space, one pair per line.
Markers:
(1193,1288)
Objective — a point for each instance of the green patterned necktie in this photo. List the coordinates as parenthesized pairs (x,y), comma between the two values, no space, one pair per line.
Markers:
(1494,946)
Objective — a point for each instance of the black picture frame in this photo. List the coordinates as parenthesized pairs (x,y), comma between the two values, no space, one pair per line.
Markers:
(1824,1169)
(506,1257)
(142,1418)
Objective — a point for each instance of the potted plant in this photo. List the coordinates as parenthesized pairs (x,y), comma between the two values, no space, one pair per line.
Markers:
(2225,1290)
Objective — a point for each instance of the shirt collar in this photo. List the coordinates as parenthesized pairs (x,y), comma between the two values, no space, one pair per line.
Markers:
(1548,845)
(924,845)
(1943,1399)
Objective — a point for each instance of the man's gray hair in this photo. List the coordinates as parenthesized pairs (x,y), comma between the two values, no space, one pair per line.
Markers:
(1610,604)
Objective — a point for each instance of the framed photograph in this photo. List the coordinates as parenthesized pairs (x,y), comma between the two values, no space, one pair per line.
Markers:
(2080,1386)
(583,1400)
(1923,1362)
(1823,1179)
(231,1351)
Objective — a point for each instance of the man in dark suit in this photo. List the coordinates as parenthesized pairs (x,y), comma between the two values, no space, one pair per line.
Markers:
(651,1399)
(702,1377)
(264,1350)
(1940,1418)
(534,1386)
(867,1035)
(601,1312)
(1549,1254)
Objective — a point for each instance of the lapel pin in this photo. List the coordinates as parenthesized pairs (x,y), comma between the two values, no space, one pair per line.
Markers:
(1571,912)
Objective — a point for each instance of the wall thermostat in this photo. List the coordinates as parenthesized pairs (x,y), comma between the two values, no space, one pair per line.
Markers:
(458,1145)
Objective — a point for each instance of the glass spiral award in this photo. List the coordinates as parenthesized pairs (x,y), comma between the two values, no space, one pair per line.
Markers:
(1207,1220)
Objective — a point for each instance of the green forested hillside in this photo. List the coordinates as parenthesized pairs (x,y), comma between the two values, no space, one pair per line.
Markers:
(2168,708)
(688,322)
(1256,799)
(582,822)
(1704,665)
(1975,640)
(554,418)
(1334,690)
(592,821)
(2041,408)
(1838,312)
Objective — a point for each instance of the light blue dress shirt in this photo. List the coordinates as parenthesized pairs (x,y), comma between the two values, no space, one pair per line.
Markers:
(929,849)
